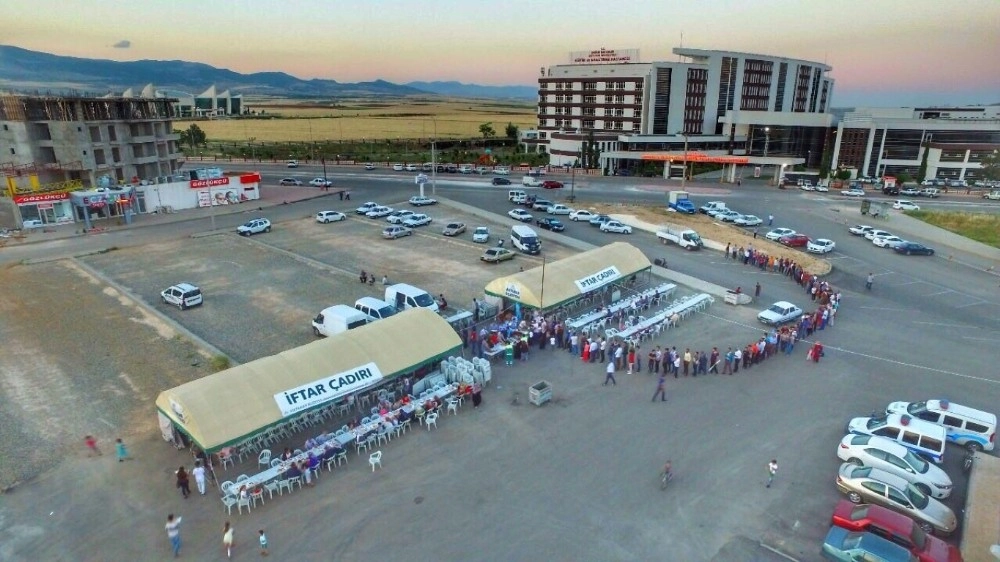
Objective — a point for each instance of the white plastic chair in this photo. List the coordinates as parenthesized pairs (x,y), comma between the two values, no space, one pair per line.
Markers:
(453,406)
(243,501)
(375,459)
(228,488)
(271,488)
(264,459)
(241,479)
(383,436)
(275,462)
(229,502)
(431,419)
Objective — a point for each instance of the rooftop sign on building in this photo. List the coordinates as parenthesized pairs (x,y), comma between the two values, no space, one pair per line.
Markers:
(604,56)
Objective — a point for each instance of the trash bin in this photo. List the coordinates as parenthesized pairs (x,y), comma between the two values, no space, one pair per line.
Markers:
(540,393)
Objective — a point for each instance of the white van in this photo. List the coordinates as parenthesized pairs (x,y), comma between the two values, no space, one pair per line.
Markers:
(404,296)
(336,319)
(517,196)
(525,239)
(531,181)
(919,436)
(374,308)
(970,428)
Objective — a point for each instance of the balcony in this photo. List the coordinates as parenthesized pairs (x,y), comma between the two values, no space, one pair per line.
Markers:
(142,139)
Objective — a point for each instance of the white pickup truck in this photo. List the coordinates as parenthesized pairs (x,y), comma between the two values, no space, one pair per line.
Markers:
(685,238)
(712,208)
(993,195)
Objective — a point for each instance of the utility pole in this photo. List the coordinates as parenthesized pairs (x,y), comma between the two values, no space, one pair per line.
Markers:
(434,167)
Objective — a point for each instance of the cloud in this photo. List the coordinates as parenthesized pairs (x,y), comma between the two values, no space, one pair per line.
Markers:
(123,44)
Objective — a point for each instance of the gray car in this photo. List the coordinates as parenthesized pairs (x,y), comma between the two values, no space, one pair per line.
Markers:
(871,485)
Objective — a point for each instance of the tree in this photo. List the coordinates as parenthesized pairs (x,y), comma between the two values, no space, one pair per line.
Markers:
(511,131)
(991,166)
(824,165)
(487,130)
(903,178)
(922,171)
(194,136)
(843,175)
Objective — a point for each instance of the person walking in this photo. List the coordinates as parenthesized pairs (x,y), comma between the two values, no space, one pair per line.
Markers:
(227,539)
(815,352)
(869,280)
(756,292)
(772,469)
(263,543)
(714,361)
(661,390)
(174,533)
(120,451)
(610,374)
(183,483)
(619,356)
(604,349)
(199,477)
(770,219)
(91,442)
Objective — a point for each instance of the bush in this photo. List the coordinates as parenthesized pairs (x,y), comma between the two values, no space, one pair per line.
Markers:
(218,363)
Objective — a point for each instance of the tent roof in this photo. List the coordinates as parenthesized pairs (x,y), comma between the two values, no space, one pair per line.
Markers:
(561,276)
(230,405)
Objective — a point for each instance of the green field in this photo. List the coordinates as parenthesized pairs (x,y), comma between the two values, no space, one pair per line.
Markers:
(975,226)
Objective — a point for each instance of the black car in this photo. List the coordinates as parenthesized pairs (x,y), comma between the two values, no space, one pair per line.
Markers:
(910,248)
(501,181)
(551,224)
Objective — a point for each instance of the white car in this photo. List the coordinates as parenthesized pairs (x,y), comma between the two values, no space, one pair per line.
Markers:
(393,232)
(379,212)
(559,209)
(749,220)
(822,188)
(481,235)
(420,200)
(330,216)
(292,164)
(615,226)
(412,168)
(821,246)
(853,193)
(254,226)
(875,233)
(728,216)
(777,233)
(520,215)
(779,313)
(860,229)
(416,220)
(888,241)
(397,167)
(397,217)
(886,454)
(807,187)
(369,166)
(581,215)
(501,171)
(363,209)
(320,182)
(905,206)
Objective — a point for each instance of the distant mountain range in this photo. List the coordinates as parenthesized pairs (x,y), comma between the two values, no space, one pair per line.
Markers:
(28,71)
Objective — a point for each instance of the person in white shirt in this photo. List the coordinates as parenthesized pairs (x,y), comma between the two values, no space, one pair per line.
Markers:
(737,358)
(199,477)
(174,533)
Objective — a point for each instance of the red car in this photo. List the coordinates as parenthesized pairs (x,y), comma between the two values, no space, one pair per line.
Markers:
(551,184)
(794,240)
(895,527)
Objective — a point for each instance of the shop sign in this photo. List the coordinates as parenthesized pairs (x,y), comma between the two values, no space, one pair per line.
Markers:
(599,279)
(604,56)
(512,291)
(39,198)
(46,206)
(198,184)
(327,389)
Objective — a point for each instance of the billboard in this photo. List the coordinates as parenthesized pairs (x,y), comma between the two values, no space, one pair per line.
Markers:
(604,56)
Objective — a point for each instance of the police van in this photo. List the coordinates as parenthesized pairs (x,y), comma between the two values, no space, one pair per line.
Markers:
(919,436)
(968,427)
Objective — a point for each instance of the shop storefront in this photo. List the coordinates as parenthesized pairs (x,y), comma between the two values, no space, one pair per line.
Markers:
(98,205)
(206,188)
(43,209)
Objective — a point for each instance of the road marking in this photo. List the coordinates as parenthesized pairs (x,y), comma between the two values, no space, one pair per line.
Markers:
(945,292)
(885,308)
(907,283)
(980,339)
(970,304)
(946,325)
(886,273)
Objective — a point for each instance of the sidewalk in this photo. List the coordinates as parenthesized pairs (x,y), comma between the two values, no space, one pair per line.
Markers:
(270,196)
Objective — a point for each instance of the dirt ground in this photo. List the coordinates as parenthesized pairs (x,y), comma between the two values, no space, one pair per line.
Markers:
(722,233)
(78,359)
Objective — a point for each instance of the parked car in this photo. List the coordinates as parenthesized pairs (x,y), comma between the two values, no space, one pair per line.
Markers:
(558,209)
(520,215)
(780,313)
(821,246)
(794,240)
(910,192)
(913,248)
(581,215)
(871,485)
(875,233)
(728,215)
(412,168)
(369,166)
(895,527)
(292,164)
(320,182)
(481,235)
(541,204)
(615,226)
(393,232)
(289,181)
(886,454)
(598,220)
(551,184)
(416,219)
(860,229)
(379,212)
(551,224)
(254,226)
(845,546)
(397,217)
(453,229)
(397,167)
(182,295)
(853,192)
(497,255)
(420,201)
(500,181)
(777,233)
(807,186)
(748,220)
(330,216)
(887,241)
(822,188)
(363,209)
(903,205)
(931,192)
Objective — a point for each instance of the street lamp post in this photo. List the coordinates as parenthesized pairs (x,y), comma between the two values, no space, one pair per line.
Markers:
(572,184)
(767,140)
(684,173)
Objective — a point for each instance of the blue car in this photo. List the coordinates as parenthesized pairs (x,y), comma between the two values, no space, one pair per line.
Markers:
(841,544)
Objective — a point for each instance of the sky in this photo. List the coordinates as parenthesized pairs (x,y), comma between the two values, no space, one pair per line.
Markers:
(883,52)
